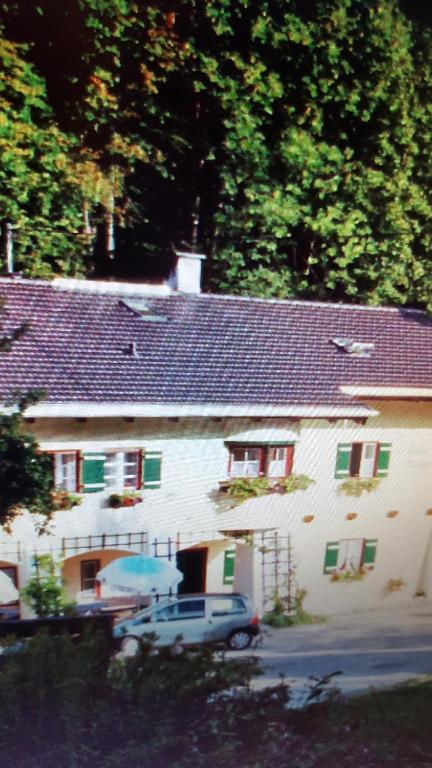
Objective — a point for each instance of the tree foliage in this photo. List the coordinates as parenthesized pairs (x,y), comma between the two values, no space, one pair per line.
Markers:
(38,194)
(289,140)
(45,592)
(26,478)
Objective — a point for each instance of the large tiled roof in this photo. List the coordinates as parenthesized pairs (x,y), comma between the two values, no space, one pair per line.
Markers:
(84,347)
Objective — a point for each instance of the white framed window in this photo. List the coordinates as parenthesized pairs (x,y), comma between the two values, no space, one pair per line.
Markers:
(252,461)
(117,471)
(368,459)
(65,467)
(122,470)
(245,462)
(277,461)
(350,554)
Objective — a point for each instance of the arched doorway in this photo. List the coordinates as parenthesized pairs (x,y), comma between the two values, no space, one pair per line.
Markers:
(79,572)
(193,564)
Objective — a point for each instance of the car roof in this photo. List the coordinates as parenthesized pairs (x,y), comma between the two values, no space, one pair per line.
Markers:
(210,594)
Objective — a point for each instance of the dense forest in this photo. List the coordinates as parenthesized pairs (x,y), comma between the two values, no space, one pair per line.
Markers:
(289,140)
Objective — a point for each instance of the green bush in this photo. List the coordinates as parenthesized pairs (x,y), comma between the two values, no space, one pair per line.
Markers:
(293,483)
(243,488)
(278,617)
(355,486)
(45,592)
(65,703)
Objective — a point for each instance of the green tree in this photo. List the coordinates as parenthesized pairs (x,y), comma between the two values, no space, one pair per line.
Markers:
(45,592)
(26,478)
(39,195)
(320,195)
(290,141)
(103,63)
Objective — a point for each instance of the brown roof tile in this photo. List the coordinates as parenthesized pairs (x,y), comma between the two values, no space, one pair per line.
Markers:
(218,349)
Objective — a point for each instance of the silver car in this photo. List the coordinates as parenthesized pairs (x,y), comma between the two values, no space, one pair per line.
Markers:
(199,618)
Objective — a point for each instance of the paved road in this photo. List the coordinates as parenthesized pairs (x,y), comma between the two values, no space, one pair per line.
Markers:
(374,648)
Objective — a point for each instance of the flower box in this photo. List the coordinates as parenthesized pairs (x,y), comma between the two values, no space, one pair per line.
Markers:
(117,500)
(62,500)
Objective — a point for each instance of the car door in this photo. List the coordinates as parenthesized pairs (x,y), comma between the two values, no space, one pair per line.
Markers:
(185,617)
(227,613)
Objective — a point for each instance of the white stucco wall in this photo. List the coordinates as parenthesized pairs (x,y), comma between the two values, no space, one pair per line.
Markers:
(195,459)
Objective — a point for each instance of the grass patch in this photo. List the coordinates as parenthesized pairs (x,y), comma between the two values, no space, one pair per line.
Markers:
(390,727)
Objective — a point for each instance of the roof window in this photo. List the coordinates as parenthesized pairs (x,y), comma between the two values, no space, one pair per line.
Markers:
(354,348)
(141,308)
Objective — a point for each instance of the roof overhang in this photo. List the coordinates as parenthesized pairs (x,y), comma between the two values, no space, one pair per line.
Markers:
(264,436)
(185,410)
(395,393)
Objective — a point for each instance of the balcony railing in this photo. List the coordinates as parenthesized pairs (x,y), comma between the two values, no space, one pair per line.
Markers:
(136,541)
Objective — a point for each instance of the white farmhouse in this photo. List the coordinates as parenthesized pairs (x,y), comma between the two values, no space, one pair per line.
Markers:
(162,401)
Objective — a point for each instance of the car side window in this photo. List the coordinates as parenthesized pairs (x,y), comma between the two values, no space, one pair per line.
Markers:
(227,606)
(184,609)
(191,609)
(166,614)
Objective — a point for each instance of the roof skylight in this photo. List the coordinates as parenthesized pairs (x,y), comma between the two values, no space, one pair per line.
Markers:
(354,348)
(141,307)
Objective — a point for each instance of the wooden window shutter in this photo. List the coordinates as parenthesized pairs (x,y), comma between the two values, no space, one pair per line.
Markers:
(78,459)
(290,459)
(152,469)
(331,556)
(383,460)
(229,565)
(140,474)
(343,460)
(355,461)
(369,552)
(92,473)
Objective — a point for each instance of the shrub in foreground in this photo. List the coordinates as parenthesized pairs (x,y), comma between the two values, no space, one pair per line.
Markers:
(64,703)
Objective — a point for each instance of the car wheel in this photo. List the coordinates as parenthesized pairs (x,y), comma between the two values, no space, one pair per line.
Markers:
(130,645)
(239,640)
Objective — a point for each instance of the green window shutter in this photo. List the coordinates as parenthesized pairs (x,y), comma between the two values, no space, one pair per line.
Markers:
(383,459)
(92,478)
(331,556)
(369,552)
(229,564)
(343,459)
(152,469)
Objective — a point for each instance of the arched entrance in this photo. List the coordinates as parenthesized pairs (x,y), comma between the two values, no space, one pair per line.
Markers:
(79,572)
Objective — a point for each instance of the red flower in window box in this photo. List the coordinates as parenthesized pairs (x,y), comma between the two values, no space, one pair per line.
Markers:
(117,500)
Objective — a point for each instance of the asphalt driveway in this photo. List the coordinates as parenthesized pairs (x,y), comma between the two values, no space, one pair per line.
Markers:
(370,649)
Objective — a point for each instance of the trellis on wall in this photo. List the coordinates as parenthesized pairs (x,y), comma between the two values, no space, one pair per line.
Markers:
(277,569)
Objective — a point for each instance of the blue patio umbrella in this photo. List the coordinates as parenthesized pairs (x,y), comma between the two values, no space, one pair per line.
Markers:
(140,574)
